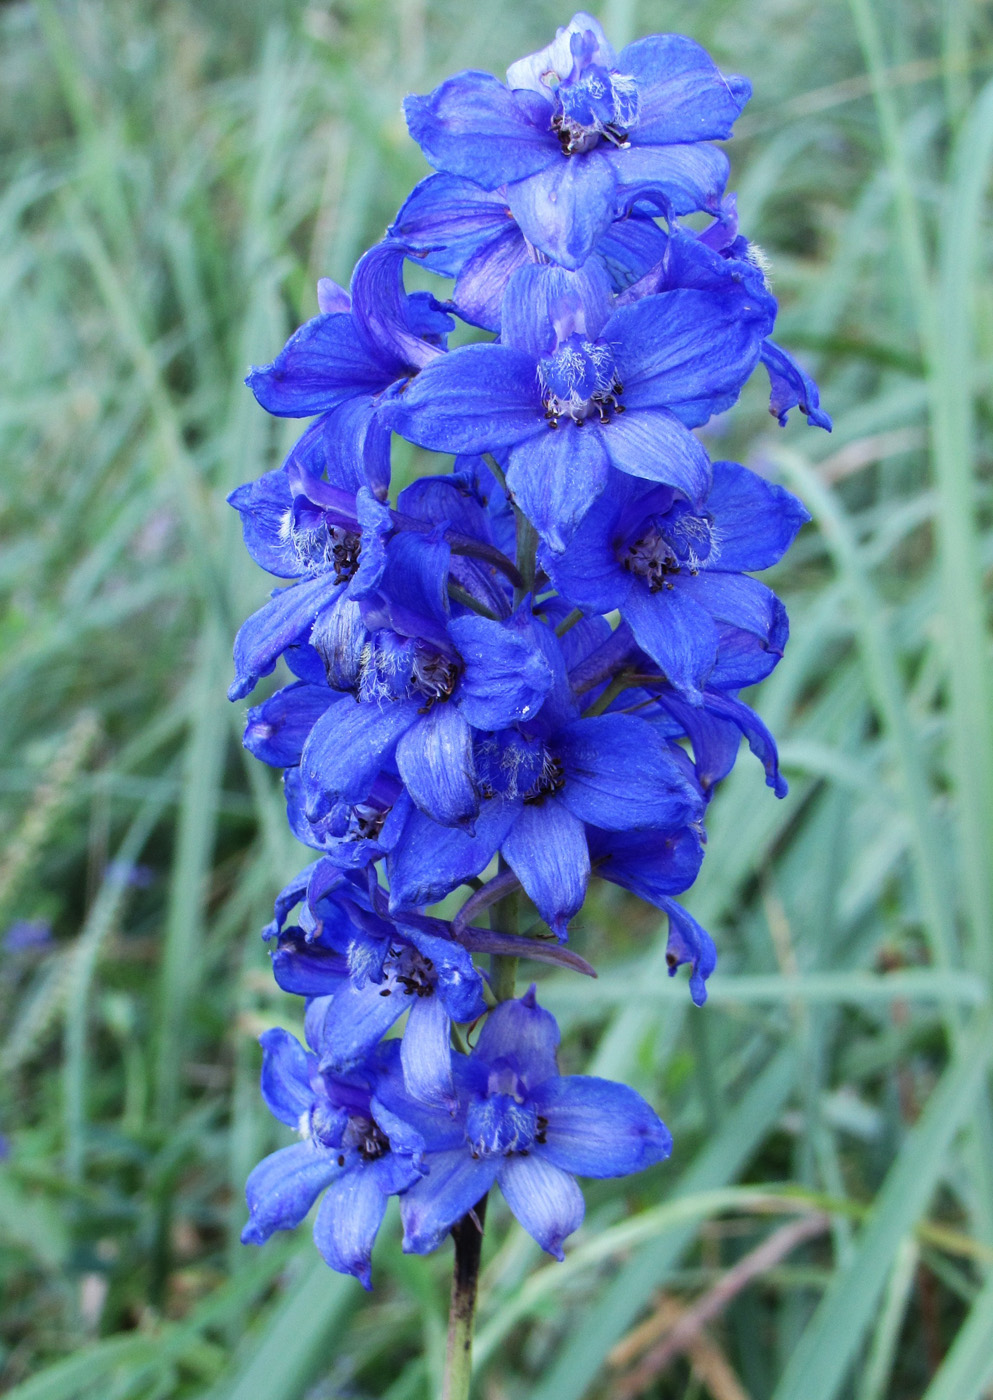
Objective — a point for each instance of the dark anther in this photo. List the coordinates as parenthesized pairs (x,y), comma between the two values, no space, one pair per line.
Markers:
(550,779)
(345,550)
(341,1159)
(385,992)
(374,1142)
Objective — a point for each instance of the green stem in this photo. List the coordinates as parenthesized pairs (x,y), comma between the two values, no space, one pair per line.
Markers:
(527,548)
(468,1237)
(460,595)
(617,685)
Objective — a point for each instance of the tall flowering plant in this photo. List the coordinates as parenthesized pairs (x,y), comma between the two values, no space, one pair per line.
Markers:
(520,671)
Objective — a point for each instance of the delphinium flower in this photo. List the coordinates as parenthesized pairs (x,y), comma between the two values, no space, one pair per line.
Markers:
(518,673)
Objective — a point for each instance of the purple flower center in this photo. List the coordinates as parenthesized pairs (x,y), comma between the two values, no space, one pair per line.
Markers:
(409,972)
(397,668)
(592,100)
(579,379)
(365,822)
(666,545)
(509,765)
(322,548)
(367,1137)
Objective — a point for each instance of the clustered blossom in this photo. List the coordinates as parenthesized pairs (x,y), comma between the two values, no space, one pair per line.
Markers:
(521,671)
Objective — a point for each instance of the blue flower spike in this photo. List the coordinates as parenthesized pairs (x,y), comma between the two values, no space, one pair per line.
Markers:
(522,671)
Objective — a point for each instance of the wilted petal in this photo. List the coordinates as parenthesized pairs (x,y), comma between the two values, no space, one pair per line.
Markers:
(689,942)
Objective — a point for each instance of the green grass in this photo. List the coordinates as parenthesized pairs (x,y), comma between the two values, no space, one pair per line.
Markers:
(175,177)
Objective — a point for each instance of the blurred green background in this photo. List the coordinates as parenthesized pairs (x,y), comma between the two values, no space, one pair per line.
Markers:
(175,177)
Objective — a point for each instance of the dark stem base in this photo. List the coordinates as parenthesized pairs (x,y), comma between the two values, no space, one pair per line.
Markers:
(468,1237)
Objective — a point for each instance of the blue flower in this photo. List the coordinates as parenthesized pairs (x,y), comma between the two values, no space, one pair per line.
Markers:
(540,790)
(342,361)
(521,1125)
(579,132)
(676,570)
(348,1152)
(425,681)
(573,390)
(365,971)
(352,834)
(708,260)
(455,228)
(334,542)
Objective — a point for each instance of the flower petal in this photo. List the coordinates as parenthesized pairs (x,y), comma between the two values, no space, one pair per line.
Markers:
(599,1128)
(689,351)
(505,677)
(677,633)
(277,730)
(426,1054)
(545,1199)
(546,849)
(689,942)
(565,208)
(652,864)
(684,178)
(284,1186)
(523,1031)
(434,757)
(653,444)
(454,1184)
(474,399)
(323,363)
(355,1020)
(348,1220)
(474,126)
(307,969)
(263,506)
(556,476)
(446,219)
(347,748)
(741,601)
(285,619)
(482,283)
(429,861)
(619,775)
(791,387)
(285,1076)
(756,520)
(682,95)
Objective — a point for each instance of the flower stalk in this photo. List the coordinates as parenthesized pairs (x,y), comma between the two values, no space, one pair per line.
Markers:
(468,1237)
